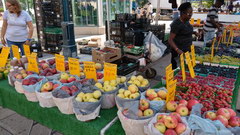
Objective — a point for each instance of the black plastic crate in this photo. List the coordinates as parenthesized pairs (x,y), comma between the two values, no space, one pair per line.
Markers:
(126,65)
(88,50)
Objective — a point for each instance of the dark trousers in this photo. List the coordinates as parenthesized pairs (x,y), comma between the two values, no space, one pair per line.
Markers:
(173,61)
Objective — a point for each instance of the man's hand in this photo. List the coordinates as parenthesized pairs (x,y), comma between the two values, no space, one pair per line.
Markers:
(27,42)
(179,51)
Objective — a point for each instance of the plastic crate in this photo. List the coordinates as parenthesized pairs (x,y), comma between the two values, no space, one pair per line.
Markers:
(136,50)
(126,65)
(87,50)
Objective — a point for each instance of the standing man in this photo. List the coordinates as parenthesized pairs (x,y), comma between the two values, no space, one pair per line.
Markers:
(149,10)
(212,22)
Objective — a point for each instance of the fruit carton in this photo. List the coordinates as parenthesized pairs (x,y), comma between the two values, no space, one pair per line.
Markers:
(108,54)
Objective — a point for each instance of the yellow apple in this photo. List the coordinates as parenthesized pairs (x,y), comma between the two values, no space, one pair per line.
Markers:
(113,83)
(132,96)
(133,88)
(79,99)
(97,94)
(106,83)
(120,95)
(157,99)
(123,79)
(133,78)
(81,94)
(136,82)
(127,93)
(87,96)
(92,100)
(130,81)
(107,88)
(137,94)
(145,82)
(121,91)
(99,85)
(162,94)
(118,80)
(140,78)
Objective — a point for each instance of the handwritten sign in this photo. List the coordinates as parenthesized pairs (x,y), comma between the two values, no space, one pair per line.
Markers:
(110,71)
(74,66)
(168,70)
(189,63)
(26,50)
(4,56)
(183,67)
(169,77)
(32,63)
(60,65)
(193,55)
(90,70)
(15,50)
(171,91)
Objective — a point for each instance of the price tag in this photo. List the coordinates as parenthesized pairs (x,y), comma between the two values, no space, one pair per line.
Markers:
(60,65)
(26,50)
(15,50)
(110,71)
(74,66)
(189,62)
(212,51)
(171,91)
(193,55)
(183,67)
(4,56)
(168,70)
(169,77)
(32,63)
(90,70)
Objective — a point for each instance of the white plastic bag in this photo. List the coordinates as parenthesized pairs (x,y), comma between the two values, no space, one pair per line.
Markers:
(90,116)
(151,130)
(155,47)
(132,127)
(64,105)
(18,87)
(45,99)
(31,96)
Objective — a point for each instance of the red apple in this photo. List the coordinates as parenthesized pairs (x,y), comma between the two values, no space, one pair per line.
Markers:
(232,113)
(160,117)
(191,103)
(160,127)
(180,128)
(171,106)
(49,74)
(65,88)
(48,86)
(55,86)
(177,116)
(223,120)
(224,112)
(54,71)
(211,115)
(233,121)
(26,82)
(170,132)
(170,122)
(182,110)
(71,79)
(183,102)
(63,81)
(144,104)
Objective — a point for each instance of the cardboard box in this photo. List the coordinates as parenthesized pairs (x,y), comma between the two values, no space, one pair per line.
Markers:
(108,54)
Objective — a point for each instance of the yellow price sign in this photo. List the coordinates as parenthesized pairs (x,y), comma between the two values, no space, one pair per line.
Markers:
(32,63)
(171,91)
(60,65)
(4,56)
(189,63)
(74,66)
(212,49)
(193,55)
(110,71)
(183,67)
(169,78)
(168,70)
(26,50)
(15,50)
(90,70)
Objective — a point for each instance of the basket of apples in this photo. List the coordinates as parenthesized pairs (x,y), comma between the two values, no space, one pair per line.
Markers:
(156,98)
(143,84)
(167,124)
(136,115)
(65,78)
(62,96)
(30,84)
(44,93)
(86,105)
(108,89)
(125,95)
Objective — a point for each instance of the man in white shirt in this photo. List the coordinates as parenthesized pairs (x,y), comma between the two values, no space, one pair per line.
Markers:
(150,10)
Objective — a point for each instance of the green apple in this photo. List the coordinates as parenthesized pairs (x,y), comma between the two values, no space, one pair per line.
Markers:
(97,94)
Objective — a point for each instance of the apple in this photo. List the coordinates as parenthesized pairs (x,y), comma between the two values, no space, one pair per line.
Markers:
(24,75)
(121,95)
(48,86)
(224,112)
(55,86)
(183,102)
(232,113)
(182,110)
(92,100)
(144,104)
(71,79)
(160,117)
(121,91)
(54,71)
(162,94)
(211,115)
(65,88)
(149,91)
(133,96)
(140,78)
(177,116)
(19,76)
(171,106)
(26,82)
(222,119)
(133,88)
(233,121)
(180,128)
(123,79)
(127,93)
(160,127)
(79,99)
(97,94)
(191,103)
(81,94)
(170,132)
(98,66)
(148,112)
(140,113)
(152,95)
(170,122)
(87,96)
(63,80)
(49,74)
(64,76)
(73,89)
(99,85)
(44,65)
(157,99)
